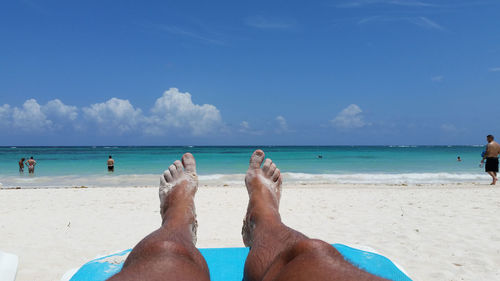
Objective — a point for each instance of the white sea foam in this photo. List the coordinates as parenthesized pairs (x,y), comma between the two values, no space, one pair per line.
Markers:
(153,180)
(210,177)
(403,178)
(403,146)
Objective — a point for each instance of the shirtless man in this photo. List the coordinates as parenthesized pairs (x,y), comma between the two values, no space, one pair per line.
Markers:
(111,164)
(31,165)
(277,252)
(491,156)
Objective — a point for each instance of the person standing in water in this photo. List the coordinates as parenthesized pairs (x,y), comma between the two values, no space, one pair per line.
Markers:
(111,164)
(31,165)
(21,165)
(491,157)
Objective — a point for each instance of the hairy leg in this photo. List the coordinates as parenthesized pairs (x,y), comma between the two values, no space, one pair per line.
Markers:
(278,252)
(494,177)
(169,253)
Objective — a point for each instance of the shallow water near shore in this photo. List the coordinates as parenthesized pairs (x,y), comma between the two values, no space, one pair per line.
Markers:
(139,166)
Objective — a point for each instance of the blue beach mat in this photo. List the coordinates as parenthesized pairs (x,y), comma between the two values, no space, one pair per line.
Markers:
(228,263)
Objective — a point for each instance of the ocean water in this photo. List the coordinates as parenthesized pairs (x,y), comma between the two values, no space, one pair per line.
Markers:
(75,166)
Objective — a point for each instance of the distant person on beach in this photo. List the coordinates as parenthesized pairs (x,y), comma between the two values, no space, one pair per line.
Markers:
(459,159)
(491,157)
(111,164)
(277,252)
(21,165)
(31,165)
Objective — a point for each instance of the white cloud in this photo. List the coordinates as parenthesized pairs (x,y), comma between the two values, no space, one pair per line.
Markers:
(33,117)
(173,110)
(266,23)
(177,110)
(244,126)
(422,22)
(247,129)
(438,78)
(114,116)
(426,23)
(57,109)
(495,69)
(5,115)
(282,124)
(349,118)
(30,117)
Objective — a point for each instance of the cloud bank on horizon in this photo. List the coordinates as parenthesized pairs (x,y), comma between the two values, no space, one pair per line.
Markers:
(173,110)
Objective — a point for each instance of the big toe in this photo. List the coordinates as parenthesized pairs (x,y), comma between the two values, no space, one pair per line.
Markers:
(189,162)
(256,159)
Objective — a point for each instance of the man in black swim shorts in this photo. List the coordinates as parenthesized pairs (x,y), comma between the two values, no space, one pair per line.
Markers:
(491,156)
(111,164)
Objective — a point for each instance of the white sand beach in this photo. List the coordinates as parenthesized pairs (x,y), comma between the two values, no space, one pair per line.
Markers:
(436,232)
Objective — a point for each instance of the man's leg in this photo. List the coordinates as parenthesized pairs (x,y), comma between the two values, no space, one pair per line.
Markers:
(493,176)
(169,253)
(278,252)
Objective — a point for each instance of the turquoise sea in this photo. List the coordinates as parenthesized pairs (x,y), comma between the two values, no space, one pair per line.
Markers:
(381,164)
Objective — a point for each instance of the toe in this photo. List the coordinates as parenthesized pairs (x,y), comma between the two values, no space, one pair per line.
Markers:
(271,170)
(167,176)
(276,175)
(189,163)
(267,165)
(173,171)
(163,181)
(178,166)
(256,159)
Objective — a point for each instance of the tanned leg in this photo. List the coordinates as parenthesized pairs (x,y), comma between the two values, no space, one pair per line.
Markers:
(278,252)
(494,177)
(169,253)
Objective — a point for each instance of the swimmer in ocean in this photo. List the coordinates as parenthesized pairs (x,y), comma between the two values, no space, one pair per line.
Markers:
(31,163)
(21,165)
(111,164)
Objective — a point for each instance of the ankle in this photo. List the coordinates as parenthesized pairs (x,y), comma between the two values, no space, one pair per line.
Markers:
(262,216)
(179,215)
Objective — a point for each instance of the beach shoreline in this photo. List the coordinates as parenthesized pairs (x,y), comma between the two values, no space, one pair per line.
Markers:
(436,232)
(458,185)
(305,179)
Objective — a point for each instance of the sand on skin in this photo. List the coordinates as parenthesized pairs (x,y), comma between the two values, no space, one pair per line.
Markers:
(441,232)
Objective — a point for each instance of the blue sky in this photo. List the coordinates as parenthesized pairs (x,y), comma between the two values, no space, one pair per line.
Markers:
(259,72)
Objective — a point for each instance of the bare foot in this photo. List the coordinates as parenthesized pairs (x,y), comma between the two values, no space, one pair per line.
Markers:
(268,176)
(264,189)
(178,185)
